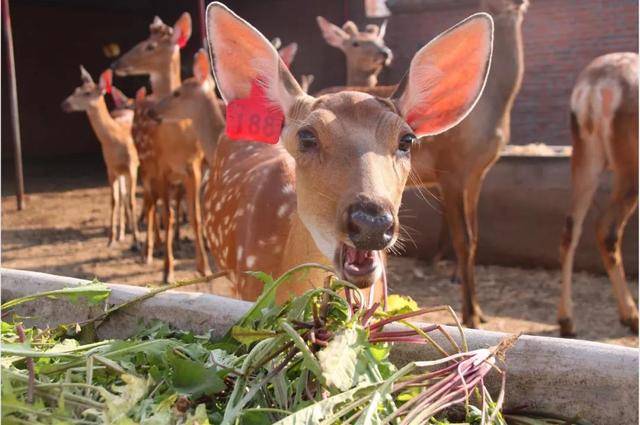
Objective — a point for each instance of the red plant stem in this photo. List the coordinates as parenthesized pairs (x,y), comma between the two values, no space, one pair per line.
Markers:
(395,318)
(30,368)
(367,315)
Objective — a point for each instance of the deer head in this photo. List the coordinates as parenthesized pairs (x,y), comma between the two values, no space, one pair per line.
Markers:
(352,150)
(88,94)
(155,54)
(365,50)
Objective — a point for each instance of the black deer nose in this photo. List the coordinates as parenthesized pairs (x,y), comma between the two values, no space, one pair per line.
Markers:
(369,225)
(385,53)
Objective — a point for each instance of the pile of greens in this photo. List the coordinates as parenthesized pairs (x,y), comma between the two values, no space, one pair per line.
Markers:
(321,358)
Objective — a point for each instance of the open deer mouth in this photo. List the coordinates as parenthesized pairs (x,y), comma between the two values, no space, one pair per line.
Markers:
(360,267)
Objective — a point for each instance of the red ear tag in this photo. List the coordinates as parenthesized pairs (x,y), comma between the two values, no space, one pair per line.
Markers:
(254,118)
(108,87)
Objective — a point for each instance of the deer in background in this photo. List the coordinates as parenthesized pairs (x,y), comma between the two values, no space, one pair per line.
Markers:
(365,51)
(604,126)
(118,151)
(329,191)
(170,153)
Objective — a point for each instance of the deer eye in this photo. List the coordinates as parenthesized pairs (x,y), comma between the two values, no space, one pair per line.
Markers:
(151,46)
(176,93)
(355,44)
(307,140)
(406,141)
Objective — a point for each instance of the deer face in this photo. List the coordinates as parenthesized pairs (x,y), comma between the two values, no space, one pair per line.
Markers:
(351,149)
(89,93)
(366,51)
(156,52)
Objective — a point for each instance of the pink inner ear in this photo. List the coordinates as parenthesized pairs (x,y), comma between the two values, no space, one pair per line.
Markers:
(182,40)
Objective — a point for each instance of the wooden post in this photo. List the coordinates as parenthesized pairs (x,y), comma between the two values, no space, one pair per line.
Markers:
(201,23)
(13,102)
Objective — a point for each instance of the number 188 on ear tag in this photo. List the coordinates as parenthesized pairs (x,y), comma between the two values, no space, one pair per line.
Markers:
(254,118)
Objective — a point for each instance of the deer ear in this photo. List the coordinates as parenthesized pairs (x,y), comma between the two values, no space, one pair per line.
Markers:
(201,68)
(119,98)
(106,79)
(141,94)
(446,77)
(182,30)
(288,53)
(243,58)
(85,76)
(333,34)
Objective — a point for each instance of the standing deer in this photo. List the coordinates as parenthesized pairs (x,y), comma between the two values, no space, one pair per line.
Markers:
(365,51)
(604,126)
(329,191)
(118,151)
(170,153)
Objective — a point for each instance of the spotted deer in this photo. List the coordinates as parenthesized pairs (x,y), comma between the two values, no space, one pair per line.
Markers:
(365,51)
(170,153)
(604,126)
(118,151)
(329,191)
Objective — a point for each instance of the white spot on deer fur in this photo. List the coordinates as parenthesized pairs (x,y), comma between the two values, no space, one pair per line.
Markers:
(287,188)
(282,210)
(239,253)
(218,206)
(239,212)
(251,261)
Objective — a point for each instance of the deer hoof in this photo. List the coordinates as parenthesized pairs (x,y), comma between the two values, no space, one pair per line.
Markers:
(455,279)
(567,329)
(135,247)
(472,322)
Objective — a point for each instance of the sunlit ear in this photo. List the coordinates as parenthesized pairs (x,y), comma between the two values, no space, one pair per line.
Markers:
(141,94)
(383,30)
(288,53)
(182,30)
(201,66)
(106,79)
(85,76)
(243,57)
(119,98)
(333,34)
(447,76)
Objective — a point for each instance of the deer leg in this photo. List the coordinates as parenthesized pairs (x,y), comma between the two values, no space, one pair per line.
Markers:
(130,205)
(610,227)
(192,186)
(586,168)
(121,209)
(464,246)
(168,243)
(150,211)
(179,196)
(113,182)
(443,242)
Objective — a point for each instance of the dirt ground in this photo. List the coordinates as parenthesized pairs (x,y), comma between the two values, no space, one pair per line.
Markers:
(64,231)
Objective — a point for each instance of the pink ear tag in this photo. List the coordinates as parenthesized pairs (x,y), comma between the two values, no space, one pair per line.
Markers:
(254,118)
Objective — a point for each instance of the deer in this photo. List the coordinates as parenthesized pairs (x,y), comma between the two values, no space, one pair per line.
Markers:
(456,161)
(365,51)
(604,129)
(330,188)
(170,153)
(118,150)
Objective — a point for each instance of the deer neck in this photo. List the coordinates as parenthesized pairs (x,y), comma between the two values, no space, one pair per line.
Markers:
(360,78)
(507,62)
(101,122)
(166,80)
(300,248)
(209,125)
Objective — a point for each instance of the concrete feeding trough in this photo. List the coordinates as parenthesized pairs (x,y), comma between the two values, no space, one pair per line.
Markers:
(598,382)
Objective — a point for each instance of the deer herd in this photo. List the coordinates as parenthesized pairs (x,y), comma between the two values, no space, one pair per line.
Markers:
(274,177)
